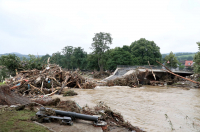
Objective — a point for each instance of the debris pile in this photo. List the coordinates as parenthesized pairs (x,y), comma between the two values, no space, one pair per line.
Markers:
(99,75)
(10,98)
(112,118)
(69,106)
(89,85)
(47,101)
(64,105)
(131,80)
(52,79)
(195,77)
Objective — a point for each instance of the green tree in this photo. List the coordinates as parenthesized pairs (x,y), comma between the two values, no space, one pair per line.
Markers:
(79,58)
(181,66)
(100,45)
(58,59)
(3,73)
(144,51)
(92,62)
(119,56)
(33,62)
(197,60)
(11,62)
(44,58)
(171,60)
(189,58)
(126,48)
(67,52)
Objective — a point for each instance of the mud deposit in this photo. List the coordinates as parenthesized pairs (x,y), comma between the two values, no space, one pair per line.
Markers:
(150,108)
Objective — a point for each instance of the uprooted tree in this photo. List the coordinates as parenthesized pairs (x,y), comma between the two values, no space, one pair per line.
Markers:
(100,45)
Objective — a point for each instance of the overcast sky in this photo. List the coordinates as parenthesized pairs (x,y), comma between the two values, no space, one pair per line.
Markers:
(46,26)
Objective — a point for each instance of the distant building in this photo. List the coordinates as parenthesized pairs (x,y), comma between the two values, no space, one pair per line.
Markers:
(188,63)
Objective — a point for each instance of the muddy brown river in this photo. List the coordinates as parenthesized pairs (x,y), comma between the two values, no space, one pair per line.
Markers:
(152,108)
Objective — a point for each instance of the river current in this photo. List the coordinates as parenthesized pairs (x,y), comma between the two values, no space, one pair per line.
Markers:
(152,108)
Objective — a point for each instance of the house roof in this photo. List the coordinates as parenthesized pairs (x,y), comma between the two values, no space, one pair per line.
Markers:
(188,63)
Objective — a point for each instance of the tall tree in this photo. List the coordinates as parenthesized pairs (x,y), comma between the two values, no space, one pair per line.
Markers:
(171,60)
(92,62)
(34,62)
(57,58)
(181,66)
(44,58)
(100,45)
(67,52)
(197,60)
(79,58)
(11,62)
(144,51)
(126,48)
(119,56)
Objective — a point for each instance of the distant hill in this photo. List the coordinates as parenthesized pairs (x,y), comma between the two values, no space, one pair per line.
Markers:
(181,56)
(20,55)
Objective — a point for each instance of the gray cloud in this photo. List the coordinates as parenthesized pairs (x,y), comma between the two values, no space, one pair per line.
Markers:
(46,26)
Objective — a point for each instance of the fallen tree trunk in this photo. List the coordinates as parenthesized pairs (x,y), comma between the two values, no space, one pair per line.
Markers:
(36,88)
(152,71)
(164,66)
(181,76)
(64,84)
(176,74)
(78,84)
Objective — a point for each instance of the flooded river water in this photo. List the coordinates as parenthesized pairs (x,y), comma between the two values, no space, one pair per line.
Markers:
(151,108)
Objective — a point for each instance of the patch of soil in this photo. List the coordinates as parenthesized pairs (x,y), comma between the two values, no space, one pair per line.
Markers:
(47,101)
(8,97)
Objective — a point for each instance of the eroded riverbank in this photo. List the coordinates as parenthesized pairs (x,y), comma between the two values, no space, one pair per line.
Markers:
(151,108)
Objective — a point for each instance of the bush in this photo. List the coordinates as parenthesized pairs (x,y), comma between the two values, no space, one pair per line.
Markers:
(70,93)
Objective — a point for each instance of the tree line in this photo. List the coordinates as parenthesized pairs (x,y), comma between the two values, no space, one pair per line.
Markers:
(102,57)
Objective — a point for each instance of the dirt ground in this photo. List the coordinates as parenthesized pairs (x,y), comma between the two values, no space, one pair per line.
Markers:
(78,126)
(7,97)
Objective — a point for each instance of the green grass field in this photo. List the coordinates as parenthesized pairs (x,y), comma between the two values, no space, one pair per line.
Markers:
(19,121)
(186,55)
